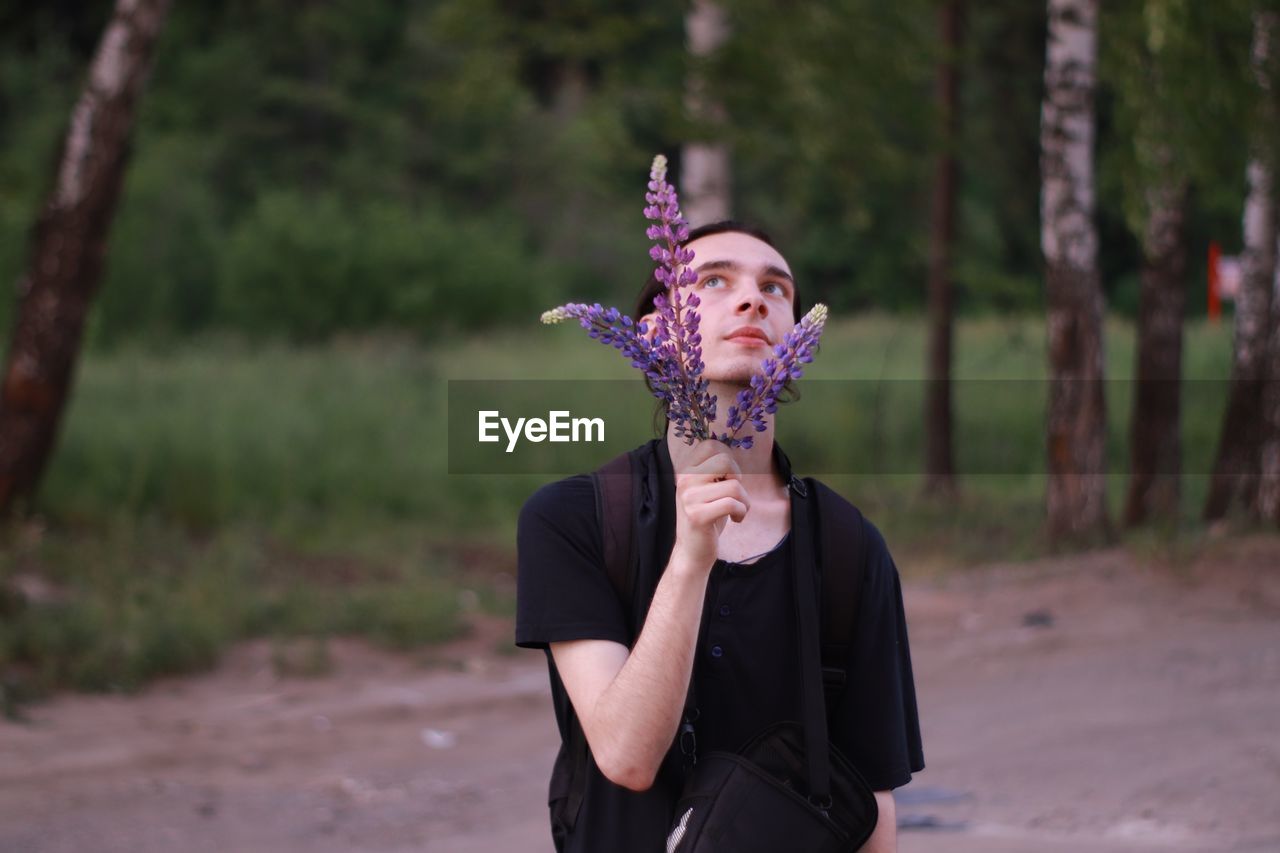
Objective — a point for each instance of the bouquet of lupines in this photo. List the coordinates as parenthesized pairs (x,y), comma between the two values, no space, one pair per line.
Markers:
(672,360)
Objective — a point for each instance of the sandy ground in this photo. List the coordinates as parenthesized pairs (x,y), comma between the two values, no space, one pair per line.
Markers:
(1108,702)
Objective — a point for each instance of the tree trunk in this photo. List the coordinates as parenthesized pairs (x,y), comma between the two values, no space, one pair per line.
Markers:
(569,95)
(939,438)
(1155,444)
(68,248)
(1267,505)
(705,183)
(1076,427)
(1240,444)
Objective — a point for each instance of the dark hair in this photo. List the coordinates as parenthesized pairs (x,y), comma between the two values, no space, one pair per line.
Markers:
(652,287)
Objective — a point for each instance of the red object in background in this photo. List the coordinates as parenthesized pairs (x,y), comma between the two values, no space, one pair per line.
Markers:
(1215,282)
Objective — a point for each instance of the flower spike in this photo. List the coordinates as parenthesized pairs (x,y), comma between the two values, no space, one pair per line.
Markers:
(672,359)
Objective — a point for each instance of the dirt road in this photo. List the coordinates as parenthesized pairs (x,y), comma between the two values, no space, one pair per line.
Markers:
(1105,702)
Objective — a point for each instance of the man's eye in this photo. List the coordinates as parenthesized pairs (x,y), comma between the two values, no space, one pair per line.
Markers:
(712,280)
(778,287)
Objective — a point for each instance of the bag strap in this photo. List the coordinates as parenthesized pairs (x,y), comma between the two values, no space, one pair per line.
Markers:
(841,534)
(804,578)
(577,747)
(614,487)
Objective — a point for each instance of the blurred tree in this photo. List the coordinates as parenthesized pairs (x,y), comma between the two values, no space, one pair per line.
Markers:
(705,186)
(1077,427)
(1155,445)
(1179,99)
(68,247)
(832,127)
(998,261)
(1155,449)
(1235,470)
(1266,504)
(939,440)
(608,78)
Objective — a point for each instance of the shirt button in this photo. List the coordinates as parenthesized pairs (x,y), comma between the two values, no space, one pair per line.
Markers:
(716,651)
(724,610)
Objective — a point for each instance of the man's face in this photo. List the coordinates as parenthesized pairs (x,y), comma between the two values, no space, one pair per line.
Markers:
(745,288)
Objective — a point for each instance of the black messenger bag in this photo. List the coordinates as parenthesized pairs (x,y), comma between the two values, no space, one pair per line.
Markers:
(788,789)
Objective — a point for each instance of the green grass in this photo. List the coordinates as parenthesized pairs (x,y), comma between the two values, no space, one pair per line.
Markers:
(128,601)
(216,491)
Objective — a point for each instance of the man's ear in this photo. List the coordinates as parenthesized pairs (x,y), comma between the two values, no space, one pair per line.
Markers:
(650,328)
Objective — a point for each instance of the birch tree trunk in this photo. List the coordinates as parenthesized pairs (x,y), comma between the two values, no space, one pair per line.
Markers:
(1155,443)
(1076,422)
(705,182)
(1268,501)
(939,438)
(68,248)
(1240,444)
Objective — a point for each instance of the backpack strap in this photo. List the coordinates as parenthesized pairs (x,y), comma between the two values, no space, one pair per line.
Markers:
(842,557)
(614,486)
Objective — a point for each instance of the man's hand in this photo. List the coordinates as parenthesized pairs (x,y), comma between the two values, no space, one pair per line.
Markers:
(709,491)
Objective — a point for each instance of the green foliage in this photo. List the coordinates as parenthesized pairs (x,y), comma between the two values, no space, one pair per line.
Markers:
(313,266)
(998,256)
(123,614)
(343,437)
(36,94)
(1183,104)
(210,434)
(830,119)
(396,614)
(166,245)
(307,171)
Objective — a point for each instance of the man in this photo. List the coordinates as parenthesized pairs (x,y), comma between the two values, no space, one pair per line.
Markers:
(721,612)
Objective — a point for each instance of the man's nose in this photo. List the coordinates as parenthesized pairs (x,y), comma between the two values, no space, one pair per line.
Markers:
(753,299)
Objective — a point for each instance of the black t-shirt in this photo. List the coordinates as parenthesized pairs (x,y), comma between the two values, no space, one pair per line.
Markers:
(745,670)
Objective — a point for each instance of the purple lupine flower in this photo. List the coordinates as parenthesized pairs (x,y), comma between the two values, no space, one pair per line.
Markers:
(672,360)
(608,326)
(761,398)
(612,327)
(669,231)
(691,406)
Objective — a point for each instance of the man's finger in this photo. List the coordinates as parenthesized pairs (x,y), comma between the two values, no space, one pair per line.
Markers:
(706,492)
(709,512)
(719,466)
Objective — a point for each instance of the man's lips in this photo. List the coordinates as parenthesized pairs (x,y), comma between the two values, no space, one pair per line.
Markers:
(748,336)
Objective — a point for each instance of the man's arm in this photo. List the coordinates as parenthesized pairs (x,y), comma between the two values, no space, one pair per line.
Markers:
(885,837)
(630,704)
